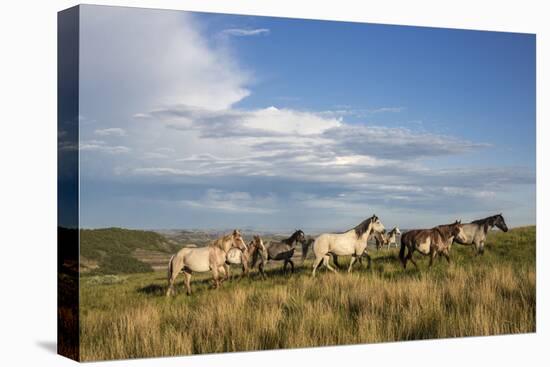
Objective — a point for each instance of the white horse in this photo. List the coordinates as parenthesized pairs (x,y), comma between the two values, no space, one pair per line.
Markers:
(352,242)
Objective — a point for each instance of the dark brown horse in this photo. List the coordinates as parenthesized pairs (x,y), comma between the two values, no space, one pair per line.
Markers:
(432,242)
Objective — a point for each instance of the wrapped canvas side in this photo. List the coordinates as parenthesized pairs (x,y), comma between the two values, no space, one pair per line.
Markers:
(67,184)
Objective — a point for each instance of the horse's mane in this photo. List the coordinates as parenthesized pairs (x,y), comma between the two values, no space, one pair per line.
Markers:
(444,229)
(220,241)
(486,220)
(292,238)
(362,227)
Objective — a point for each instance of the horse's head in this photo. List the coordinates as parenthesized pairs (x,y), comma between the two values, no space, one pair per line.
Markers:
(457,231)
(299,236)
(259,246)
(396,230)
(237,240)
(376,224)
(257,242)
(500,223)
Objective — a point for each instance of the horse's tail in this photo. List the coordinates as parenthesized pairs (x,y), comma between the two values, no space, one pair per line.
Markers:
(402,249)
(305,248)
(170,268)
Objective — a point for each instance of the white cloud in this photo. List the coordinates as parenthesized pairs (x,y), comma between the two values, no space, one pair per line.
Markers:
(132,58)
(235,202)
(101,146)
(242,32)
(116,131)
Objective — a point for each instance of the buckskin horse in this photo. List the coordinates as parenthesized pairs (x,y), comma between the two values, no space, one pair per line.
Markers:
(209,258)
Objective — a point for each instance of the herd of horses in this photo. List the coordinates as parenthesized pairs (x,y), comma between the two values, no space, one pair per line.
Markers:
(231,249)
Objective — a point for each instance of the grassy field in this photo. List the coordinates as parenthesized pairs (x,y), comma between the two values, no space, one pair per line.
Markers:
(128,316)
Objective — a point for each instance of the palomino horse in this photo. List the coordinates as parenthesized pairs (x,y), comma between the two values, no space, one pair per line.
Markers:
(352,242)
(476,231)
(203,259)
(254,250)
(432,242)
(284,250)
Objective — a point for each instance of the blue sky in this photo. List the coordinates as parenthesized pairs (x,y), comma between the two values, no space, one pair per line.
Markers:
(195,120)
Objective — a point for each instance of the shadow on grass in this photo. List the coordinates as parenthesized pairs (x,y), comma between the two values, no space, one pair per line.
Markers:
(153,290)
(382,265)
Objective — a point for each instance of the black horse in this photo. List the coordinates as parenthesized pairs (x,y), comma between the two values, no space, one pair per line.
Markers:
(284,250)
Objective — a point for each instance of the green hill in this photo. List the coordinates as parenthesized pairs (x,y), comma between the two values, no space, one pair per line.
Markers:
(113,250)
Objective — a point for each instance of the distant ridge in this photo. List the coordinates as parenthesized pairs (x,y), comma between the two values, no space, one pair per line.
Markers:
(118,250)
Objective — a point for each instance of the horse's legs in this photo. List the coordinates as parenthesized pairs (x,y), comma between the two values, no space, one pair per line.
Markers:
(261,268)
(215,276)
(414,262)
(316,264)
(326,262)
(336,263)
(353,258)
(410,257)
(366,254)
(446,254)
(284,266)
(187,276)
(245,272)
(226,270)
(171,281)
(433,254)
(291,265)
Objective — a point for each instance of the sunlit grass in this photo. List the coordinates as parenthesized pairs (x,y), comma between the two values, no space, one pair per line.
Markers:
(483,295)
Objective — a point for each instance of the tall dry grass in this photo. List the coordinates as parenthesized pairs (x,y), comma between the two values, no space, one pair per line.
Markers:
(473,296)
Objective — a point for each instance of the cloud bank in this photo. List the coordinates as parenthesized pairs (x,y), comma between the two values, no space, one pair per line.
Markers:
(181,134)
